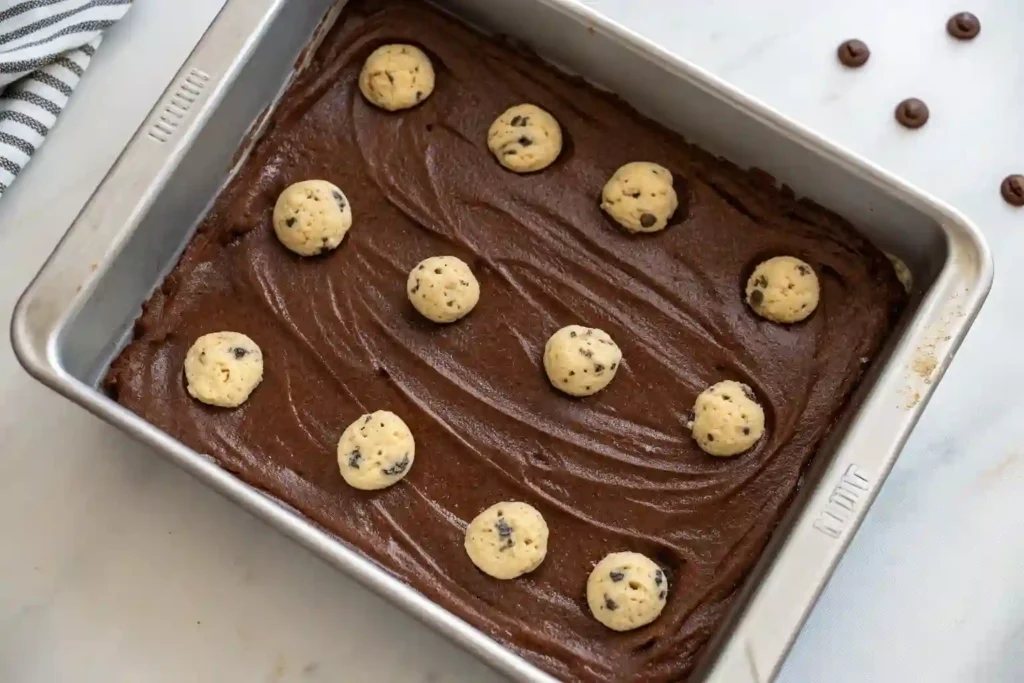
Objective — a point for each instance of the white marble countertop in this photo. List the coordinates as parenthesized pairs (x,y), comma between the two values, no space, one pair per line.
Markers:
(118,567)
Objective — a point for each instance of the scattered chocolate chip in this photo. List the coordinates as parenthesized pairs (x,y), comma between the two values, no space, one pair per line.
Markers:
(853,53)
(398,467)
(658,576)
(289,222)
(437,271)
(525,141)
(451,302)
(572,373)
(746,430)
(912,113)
(515,120)
(647,219)
(610,604)
(587,388)
(761,282)
(756,297)
(586,353)
(417,287)
(239,352)
(616,576)
(419,95)
(598,368)
(711,437)
(391,77)
(613,366)
(340,199)
(367,420)
(661,595)
(353,459)
(963,26)
(572,334)
(725,397)
(803,270)
(1012,189)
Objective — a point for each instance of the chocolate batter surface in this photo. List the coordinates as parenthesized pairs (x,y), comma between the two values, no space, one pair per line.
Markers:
(615,471)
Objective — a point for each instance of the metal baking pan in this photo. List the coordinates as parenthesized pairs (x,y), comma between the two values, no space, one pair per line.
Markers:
(79,310)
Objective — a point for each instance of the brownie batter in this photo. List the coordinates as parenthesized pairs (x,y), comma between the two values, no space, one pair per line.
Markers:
(617,471)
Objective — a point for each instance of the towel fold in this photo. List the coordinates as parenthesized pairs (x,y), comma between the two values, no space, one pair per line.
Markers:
(45,47)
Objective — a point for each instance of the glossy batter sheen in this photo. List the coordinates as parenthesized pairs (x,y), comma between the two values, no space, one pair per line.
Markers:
(613,472)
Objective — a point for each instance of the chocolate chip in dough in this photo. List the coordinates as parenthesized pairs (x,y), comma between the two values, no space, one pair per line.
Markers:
(1012,189)
(397,468)
(647,219)
(353,459)
(912,113)
(239,352)
(616,576)
(853,53)
(963,26)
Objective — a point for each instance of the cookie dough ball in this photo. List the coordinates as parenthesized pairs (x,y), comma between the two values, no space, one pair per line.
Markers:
(397,77)
(312,217)
(640,197)
(376,451)
(903,273)
(507,540)
(223,368)
(581,360)
(525,138)
(626,591)
(442,288)
(726,419)
(783,289)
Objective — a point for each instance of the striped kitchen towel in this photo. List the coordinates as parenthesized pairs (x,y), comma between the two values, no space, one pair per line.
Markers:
(45,47)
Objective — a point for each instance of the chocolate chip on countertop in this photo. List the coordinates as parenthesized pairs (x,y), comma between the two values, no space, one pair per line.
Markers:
(912,113)
(853,53)
(647,219)
(1012,189)
(963,26)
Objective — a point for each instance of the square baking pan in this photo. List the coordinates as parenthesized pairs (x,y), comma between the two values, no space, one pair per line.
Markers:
(79,311)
